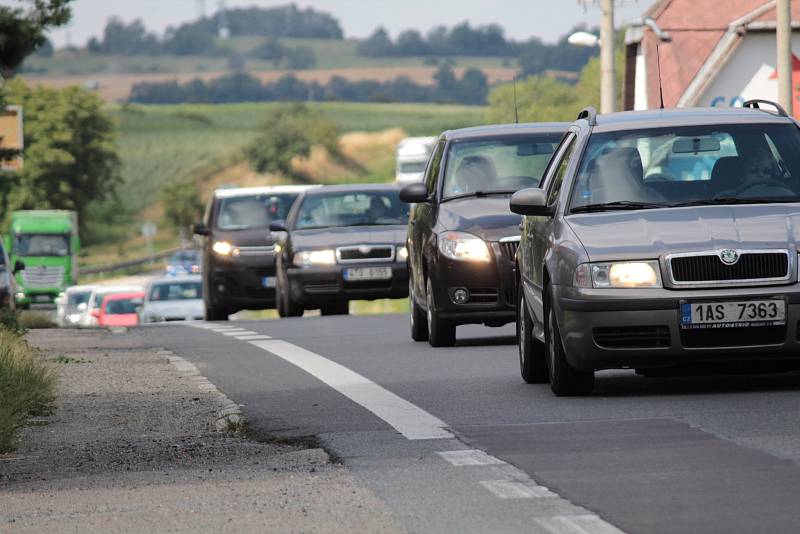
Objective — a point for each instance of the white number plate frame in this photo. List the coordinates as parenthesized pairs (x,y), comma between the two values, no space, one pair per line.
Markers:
(365,274)
(770,311)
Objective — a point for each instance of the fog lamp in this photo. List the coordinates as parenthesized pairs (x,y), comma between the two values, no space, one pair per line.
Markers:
(460,296)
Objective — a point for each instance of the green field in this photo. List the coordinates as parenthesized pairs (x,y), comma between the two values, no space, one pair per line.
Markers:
(161,143)
(330,54)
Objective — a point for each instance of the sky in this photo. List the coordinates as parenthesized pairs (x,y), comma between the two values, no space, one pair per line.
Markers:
(547,19)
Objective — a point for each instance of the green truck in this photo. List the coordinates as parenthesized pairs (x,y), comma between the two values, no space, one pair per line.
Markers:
(47,242)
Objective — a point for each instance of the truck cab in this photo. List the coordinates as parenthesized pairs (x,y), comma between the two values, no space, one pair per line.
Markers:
(47,242)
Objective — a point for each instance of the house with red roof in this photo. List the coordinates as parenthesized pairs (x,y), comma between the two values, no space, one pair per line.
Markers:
(712,53)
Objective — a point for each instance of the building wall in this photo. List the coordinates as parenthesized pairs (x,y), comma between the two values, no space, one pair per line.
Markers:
(749,73)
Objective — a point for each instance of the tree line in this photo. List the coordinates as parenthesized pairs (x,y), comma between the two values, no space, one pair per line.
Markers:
(471,88)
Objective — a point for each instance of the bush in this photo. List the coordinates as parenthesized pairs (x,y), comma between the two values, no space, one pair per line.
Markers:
(33,320)
(27,386)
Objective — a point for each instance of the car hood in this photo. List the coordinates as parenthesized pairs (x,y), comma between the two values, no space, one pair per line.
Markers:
(175,308)
(647,234)
(254,237)
(489,218)
(348,235)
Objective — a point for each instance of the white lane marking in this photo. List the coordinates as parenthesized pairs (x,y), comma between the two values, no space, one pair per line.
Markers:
(577,524)
(469,457)
(514,489)
(239,333)
(250,337)
(410,420)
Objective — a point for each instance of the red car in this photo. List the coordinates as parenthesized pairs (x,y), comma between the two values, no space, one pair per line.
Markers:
(120,309)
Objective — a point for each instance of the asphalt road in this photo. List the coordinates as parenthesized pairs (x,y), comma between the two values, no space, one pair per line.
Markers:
(649,455)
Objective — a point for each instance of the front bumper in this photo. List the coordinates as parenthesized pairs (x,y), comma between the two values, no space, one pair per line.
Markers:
(491,288)
(609,329)
(313,287)
(241,285)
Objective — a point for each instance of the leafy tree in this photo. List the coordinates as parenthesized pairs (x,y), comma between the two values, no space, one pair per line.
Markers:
(376,45)
(182,201)
(411,43)
(22,30)
(189,40)
(301,57)
(126,39)
(270,49)
(70,150)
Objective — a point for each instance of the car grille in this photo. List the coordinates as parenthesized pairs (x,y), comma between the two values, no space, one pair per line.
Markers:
(733,337)
(323,286)
(632,337)
(254,250)
(34,277)
(362,253)
(509,249)
(709,268)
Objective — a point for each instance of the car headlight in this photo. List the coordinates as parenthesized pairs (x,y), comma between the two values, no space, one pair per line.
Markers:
(402,254)
(628,274)
(463,247)
(223,248)
(314,257)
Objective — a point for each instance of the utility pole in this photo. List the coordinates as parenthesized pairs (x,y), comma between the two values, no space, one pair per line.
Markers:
(607,92)
(784,41)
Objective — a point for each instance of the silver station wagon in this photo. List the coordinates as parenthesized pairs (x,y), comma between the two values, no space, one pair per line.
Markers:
(661,239)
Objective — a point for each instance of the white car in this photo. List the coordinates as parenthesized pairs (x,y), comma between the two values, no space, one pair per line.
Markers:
(71,305)
(177,298)
(95,301)
(412,157)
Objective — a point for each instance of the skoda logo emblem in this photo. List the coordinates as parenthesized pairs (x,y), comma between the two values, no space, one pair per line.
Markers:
(364,249)
(729,256)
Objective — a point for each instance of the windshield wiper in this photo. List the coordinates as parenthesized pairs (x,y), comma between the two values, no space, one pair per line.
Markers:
(721,201)
(478,194)
(618,205)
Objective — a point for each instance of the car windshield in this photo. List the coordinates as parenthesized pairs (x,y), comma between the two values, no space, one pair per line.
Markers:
(41,245)
(76,299)
(497,165)
(253,211)
(185,256)
(176,291)
(671,167)
(368,208)
(123,306)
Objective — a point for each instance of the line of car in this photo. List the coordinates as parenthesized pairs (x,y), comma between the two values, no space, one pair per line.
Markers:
(654,240)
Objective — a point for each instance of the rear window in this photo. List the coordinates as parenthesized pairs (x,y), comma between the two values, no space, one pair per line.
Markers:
(253,211)
(176,291)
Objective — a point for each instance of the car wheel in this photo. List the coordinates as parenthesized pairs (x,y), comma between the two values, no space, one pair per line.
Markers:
(532,354)
(286,306)
(419,321)
(565,380)
(339,308)
(440,332)
(216,313)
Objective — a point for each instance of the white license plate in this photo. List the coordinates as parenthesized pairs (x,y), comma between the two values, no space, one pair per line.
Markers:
(268,281)
(733,314)
(367,273)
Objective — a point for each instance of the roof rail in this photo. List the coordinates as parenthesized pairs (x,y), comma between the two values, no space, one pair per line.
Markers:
(754,104)
(590,114)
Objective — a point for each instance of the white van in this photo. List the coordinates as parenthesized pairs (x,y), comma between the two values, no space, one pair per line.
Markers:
(412,156)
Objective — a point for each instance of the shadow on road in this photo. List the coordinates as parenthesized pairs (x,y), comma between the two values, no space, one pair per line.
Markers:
(486,341)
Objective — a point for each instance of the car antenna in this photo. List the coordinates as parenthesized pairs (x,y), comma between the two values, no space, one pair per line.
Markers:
(660,90)
(516,110)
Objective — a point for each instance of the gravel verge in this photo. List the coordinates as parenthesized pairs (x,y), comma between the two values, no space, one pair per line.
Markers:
(134,446)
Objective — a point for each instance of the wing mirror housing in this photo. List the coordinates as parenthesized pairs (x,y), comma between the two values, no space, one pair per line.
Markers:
(200,229)
(19,265)
(415,193)
(531,201)
(277,226)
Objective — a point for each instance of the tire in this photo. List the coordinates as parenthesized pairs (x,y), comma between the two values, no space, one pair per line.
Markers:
(565,380)
(286,306)
(216,313)
(419,321)
(339,308)
(440,332)
(532,354)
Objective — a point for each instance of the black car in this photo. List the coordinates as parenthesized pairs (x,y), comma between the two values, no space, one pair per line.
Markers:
(462,237)
(238,248)
(342,243)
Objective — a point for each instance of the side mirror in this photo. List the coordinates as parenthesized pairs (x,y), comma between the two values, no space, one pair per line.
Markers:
(19,265)
(277,226)
(531,202)
(416,193)
(95,314)
(82,307)
(200,229)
